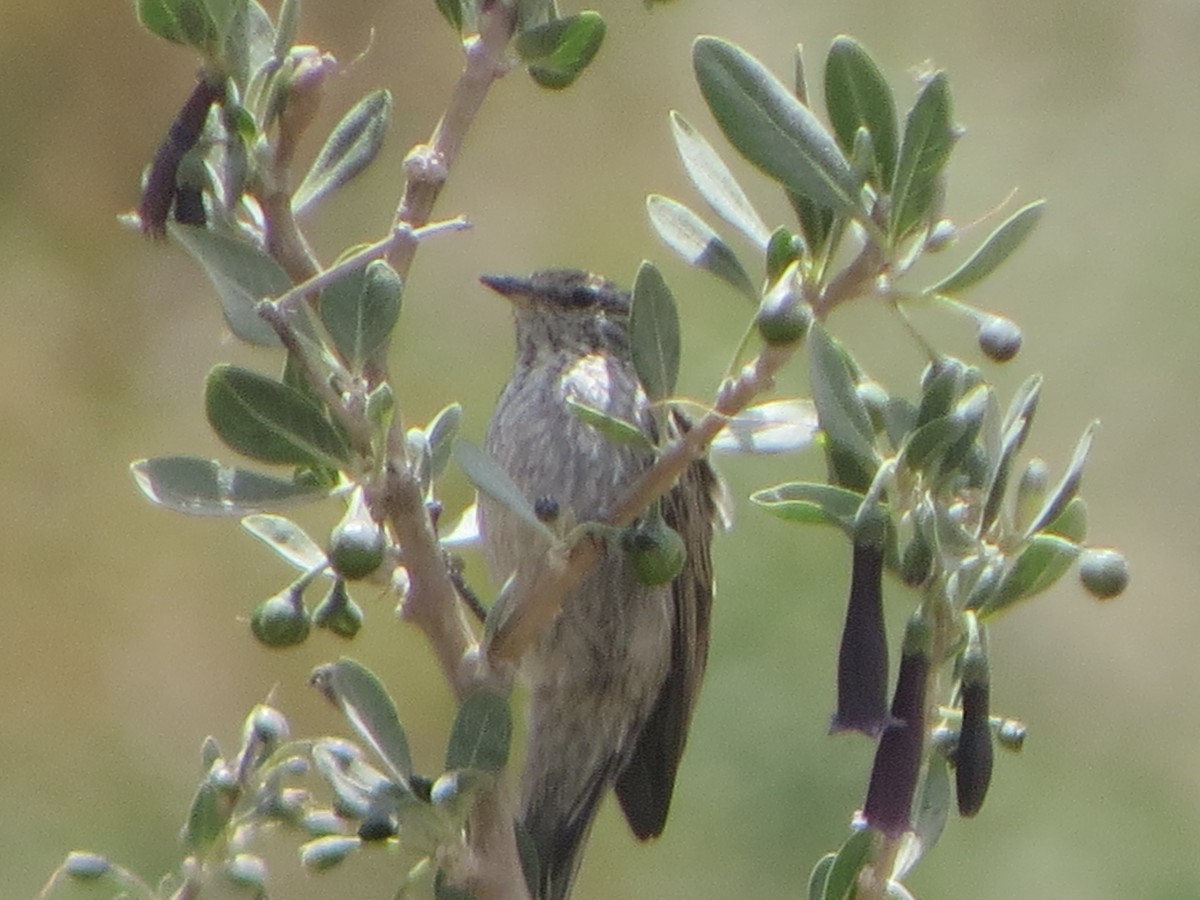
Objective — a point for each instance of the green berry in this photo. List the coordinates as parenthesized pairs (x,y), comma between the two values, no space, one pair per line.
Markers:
(338,612)
(282,620)
(1104,572)
(783,321)
(356,549)
(656,551)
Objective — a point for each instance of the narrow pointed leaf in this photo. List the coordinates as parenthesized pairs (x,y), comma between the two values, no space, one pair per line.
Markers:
(487,476)
(205,487)
(772,129)
(777,426)
(716,183)
(812,503)
(1069,486)
(266,420)
(242,275)
(1045,559)
(691,237)
(558,51)
(482,733)
(287,539)
(819,876)
(999,245)
(843,415)
(929,816)
(851,857)
(360,310)
(351,146)
(614,429)
(654,333)
(857,96)
(371,712)
(452,12)
(928,139)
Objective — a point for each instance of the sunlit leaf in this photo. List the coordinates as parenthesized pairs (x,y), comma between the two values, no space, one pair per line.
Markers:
(487,476)
(716,183)
(371,712)
(1058,499)
(812,503)
(771,128)
(928,138)
(287,539)
(205,487)
(691,237)
(611,427)
(1045,559)
(778,426)
(999,245)
(440,434)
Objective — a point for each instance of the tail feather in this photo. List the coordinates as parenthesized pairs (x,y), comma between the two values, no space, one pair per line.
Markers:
(559,841)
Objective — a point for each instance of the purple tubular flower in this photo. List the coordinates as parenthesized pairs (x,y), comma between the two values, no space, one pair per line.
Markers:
(973,760)
(160,189)
(863,656)
(897,765)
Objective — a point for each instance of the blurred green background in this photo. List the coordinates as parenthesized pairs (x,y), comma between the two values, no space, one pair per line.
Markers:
(123,640)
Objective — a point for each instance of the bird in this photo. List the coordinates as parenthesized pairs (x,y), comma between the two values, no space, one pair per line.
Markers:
(615,676)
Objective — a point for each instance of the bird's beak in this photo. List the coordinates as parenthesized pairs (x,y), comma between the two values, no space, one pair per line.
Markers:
(511,286)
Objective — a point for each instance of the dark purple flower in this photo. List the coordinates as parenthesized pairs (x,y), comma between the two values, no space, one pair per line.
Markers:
(863,656)
(973,759)
(897,764)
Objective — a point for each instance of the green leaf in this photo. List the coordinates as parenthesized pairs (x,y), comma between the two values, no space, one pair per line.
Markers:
(452,12)
(716,183)
(205,487)
(999,245)
(439,435)
(1057,502)
(783,248)
(242,275)
(925,447)
(654,333)
(820,875)
(857,96)
(558,51)
(611,427)
(812,503)
(487,476)
(1071,523)
(360,310)
(777,426)
(691,237)
(482,733)
(266,420)
(1044,560)
(371,712)
(851,857)
(249,42)
(772,129)
(1017,422)
(842,414)
(929,817)
(289,24)
(928,138)
(287,539)
(349,149)
(185,22)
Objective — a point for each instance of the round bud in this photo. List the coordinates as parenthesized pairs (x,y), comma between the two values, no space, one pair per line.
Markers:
(326,852)
(247,870)
(783,318)
(1104,572)
(86,866)
(999,338)
(281,621)
(356,548)
(656,552)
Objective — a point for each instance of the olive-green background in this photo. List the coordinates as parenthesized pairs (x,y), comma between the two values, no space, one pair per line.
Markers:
(122,634)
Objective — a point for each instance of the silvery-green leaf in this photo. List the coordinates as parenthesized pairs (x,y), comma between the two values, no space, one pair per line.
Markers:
(371,712)
(857,96)
(1058,499)
(851,857)
(465,532)
(654,333)
(772,129)
(777,426)
(482,733)
(289,22)
(242,275)
(287,539)
(611,427)
(268,421)
(928,138)
(692,238)
(359,311)
(351,146)
(205,487)
(929,816)
(487,476)
(440,434)
(1043,561)
(999,245)
(843,415)
(812,503)
(716,183)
